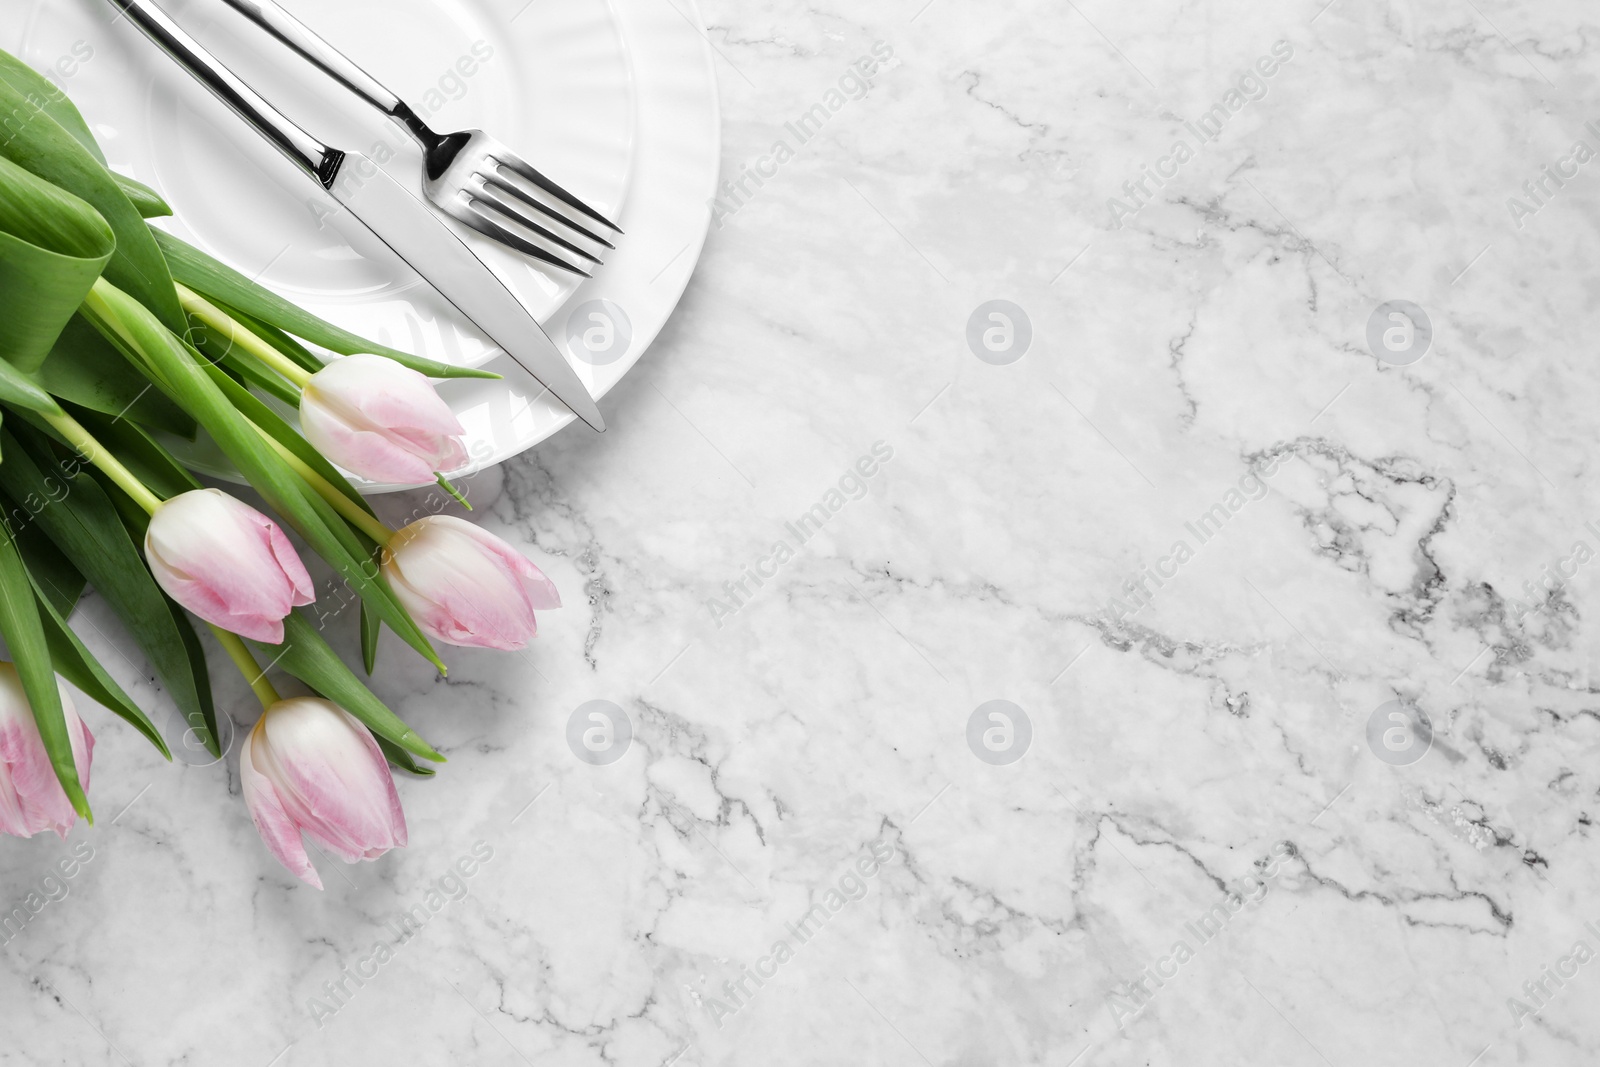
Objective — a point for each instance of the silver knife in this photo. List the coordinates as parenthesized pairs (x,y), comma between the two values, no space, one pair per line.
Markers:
(397,218)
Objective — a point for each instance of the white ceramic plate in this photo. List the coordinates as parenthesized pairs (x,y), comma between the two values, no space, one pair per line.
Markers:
(615,99)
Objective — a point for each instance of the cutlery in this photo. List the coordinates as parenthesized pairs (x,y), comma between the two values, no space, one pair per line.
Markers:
(468,175)
(395,217)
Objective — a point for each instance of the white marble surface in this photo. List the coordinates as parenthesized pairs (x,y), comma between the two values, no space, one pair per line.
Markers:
(1222,726)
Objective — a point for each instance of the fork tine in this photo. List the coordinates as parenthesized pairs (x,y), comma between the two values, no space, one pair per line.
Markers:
(515,164)
(510,191)
(511,203)
(506,211)
(487,226)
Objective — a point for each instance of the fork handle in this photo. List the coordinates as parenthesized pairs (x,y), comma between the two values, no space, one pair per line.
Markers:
(304,150)
(341,68)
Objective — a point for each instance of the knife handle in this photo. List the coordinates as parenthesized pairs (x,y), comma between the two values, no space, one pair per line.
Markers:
(297,35)
(302,149)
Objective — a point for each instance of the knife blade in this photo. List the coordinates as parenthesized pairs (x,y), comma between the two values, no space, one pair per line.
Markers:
(418,236)
(397,218)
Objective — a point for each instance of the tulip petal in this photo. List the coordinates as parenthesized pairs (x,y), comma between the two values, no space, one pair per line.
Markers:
(367,453)
(421,411)
(471,599)
(304,592)
(382,393)
(271,818)
(380,420)
(334,780)
(41,802)
(397,836)
(453,456)
(466,586)
(31,797)
(201,599)
(541,591)
(82,741)
(11,818)
(227,563)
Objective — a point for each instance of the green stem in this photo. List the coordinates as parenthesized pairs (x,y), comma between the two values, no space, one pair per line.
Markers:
(234,646)
(101,310)
(90,449)
(444,483)
(329,492)
(241,336)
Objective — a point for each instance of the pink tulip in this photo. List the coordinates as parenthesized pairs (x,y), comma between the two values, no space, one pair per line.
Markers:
(31,797)
(381,421)
(465,586)
(310,767)
(227,563)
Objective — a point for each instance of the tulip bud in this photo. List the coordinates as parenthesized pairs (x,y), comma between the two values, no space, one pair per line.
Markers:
(31,797)
(381,421)
(226,562)
(310,767)
(465,586)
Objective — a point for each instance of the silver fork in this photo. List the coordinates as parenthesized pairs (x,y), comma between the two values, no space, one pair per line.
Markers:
(470,176)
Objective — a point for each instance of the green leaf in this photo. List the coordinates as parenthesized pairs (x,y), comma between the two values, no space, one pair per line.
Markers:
(24,634)
(370,629)
(307,656)
(403,759)
(224,285)
(53,245)
(87,369)
(35,86)
(145,200)
(134,518)
(36,142)
(205,392)
(74,662)
(52,572)
(72,508)
(195,654)
(21,391)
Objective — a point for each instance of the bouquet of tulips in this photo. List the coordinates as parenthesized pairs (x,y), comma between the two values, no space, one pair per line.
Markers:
(115,337)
